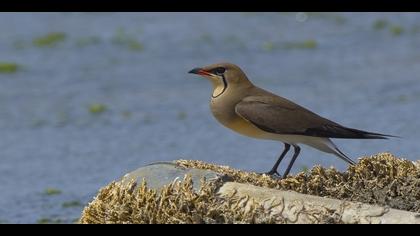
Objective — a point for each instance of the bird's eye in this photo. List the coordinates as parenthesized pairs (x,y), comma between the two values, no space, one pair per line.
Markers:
(219,70)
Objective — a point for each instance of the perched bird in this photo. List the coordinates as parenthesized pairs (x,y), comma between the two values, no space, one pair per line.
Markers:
(257,113)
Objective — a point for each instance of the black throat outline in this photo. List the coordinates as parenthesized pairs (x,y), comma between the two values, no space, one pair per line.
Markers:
(225,84)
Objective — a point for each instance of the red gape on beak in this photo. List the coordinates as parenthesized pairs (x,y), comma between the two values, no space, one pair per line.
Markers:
(199,71)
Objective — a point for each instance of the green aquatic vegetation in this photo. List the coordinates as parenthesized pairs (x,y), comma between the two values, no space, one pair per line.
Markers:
(380,24)
(87,41)
(339,19)
(148,119)
(97,108)
(182,115)
(46,220)
(206,37)
(396,30)
(71,204)
(126,114)
(415,29)
(52,191)
(268,46)
(9,67)
(134,45)
(38,122)
(402,98)
(62,118)
(19,44)
(235,40)
(306,44)
(123,39)
(50,39)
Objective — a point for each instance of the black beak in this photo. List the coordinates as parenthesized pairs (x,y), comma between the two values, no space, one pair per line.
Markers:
(195,71)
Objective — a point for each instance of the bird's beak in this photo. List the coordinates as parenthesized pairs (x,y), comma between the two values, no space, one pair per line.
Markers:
(200,71)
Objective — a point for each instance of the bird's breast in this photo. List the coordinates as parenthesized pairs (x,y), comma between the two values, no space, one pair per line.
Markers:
(224,112)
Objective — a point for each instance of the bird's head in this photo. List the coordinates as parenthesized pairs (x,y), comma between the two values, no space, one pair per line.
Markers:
(223,76)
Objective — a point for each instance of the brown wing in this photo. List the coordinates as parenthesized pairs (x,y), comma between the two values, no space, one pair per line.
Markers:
(281,116)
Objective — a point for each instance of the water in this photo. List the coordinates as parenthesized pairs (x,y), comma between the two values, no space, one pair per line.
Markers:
(344,66)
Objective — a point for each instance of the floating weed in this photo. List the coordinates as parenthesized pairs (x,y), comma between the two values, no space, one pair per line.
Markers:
(234,40)
(148,119)
(380,24)
(97,108)
(9,67)
(134,45)
(396,30)
(268,46)
(114,61)
(52,191)
(339,19)
(182,115)
(128,41)
(306,44)
(50,39)
(62,118)
(402,98)
(206,38)
(88,41)
(36,123)
(19,44)
(415,29)
(126,114)
(71,204)
(46,220)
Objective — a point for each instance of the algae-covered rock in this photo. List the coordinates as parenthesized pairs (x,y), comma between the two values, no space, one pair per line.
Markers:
(381,179)
(175,203)
(169,193)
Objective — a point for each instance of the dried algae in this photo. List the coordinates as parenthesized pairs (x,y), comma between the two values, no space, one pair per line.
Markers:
(381,179)
(176,203)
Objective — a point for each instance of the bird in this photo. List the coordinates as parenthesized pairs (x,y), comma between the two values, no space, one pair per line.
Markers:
(257,113)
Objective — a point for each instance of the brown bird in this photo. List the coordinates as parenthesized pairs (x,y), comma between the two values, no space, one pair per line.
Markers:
(257,113)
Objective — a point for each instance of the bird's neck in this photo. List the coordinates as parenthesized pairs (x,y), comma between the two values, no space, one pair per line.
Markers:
(222,86)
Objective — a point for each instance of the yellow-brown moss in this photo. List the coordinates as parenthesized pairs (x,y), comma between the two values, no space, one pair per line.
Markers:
(176,203)
(380,179)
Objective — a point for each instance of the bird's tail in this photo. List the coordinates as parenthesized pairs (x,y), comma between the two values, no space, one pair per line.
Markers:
(360,134)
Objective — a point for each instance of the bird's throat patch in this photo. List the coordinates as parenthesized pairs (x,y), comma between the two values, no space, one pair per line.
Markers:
(219,91)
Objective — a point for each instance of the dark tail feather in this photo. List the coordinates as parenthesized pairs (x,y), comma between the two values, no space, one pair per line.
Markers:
(338,131)
(360,134)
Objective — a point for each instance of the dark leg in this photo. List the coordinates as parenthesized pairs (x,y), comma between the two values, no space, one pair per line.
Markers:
(297,151)
(276,165)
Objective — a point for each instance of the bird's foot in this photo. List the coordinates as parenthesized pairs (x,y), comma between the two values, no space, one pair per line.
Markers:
(273,174)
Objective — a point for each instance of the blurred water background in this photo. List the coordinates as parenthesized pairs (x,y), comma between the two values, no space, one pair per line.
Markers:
(87,97)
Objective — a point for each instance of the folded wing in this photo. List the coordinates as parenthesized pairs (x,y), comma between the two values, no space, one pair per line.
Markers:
(281,116)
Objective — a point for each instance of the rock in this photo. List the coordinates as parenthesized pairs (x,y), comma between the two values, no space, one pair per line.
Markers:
(159,174)
(305,209)
(174,193)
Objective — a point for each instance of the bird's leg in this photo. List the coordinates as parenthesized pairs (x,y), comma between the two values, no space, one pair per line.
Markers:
(297,151)
(276,165)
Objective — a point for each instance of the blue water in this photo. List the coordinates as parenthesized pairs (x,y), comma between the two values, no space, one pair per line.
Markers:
(136,64)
